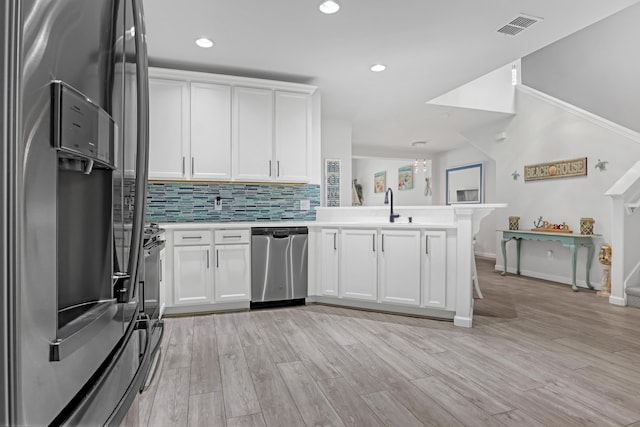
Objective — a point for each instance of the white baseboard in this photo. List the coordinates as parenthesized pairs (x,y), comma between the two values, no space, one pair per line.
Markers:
(485,255)
(617,301)
(464,322)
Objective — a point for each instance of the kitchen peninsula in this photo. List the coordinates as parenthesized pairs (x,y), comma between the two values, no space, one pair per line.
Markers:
(420,264)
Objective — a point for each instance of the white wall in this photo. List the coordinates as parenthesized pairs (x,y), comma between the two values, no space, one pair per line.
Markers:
(597,69)
(491,92)
(485,239)
(365,168)
(336,144)
(544,130)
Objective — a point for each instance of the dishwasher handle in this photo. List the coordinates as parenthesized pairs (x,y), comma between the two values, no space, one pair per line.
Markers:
(280,236)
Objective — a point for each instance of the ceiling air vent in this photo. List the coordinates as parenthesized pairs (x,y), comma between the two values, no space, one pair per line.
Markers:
(518,24)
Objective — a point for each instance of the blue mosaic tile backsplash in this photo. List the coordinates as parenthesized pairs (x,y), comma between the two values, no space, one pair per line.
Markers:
(195,202)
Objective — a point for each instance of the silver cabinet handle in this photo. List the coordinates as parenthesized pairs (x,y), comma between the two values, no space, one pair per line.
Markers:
(191,237)
(161,270)
(278,167)
(193,168)
(217,260)
(373,242)
(334,241)
(183,172)
(426,244)
(235,236)
(383,243)
(269,167)
(207,258)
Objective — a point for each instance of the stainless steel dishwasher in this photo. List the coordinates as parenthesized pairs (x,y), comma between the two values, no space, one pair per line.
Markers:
(278,266)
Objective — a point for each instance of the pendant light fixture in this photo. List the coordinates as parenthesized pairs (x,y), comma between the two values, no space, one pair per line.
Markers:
(416,163)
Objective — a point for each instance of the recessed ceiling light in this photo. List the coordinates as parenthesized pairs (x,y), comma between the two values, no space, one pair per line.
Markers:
(378,67)
(204,42)
(329,6)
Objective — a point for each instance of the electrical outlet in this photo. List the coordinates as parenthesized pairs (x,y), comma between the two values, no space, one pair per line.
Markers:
(305,205)
(218,204)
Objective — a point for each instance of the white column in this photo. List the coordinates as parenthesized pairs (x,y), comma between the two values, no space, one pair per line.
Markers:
(464,291)
(618,218)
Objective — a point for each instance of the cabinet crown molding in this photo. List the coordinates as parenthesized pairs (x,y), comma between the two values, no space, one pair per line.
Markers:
(201,77)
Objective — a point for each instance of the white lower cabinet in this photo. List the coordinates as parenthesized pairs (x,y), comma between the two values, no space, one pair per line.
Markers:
(434,258)
(232,273)
(329,272)
(192,274)
(359,264)
(163,281)
(208,267)
(400,266)
(387,265)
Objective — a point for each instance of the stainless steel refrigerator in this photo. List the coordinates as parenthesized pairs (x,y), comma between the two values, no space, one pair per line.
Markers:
(74,130)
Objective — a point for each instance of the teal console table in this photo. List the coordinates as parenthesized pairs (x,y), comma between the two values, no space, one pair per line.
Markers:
(570,240)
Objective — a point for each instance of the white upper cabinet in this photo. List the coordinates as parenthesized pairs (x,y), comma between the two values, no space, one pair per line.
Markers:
(252,134)
(212,127)
(292,136)
(168,130)
(210,132)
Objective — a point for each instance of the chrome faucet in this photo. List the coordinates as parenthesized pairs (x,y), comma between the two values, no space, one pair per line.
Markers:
(392,216)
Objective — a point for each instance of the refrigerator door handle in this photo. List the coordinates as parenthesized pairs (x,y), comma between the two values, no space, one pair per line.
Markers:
(142,166)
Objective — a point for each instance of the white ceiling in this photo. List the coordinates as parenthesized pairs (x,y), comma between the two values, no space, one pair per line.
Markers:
(429,47)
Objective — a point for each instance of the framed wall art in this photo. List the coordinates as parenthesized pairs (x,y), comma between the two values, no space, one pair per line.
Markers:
(379,182)
(405,178)
(332,182)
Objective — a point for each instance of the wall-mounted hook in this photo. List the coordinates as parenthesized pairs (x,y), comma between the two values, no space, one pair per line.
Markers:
(515,175)
(602,165)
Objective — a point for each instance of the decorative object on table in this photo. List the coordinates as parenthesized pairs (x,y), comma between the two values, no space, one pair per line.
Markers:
(586,225)
(379,182)
(332,182)
(427,187)
(557,169)
(547,227)
(405,178)
(515,175)
(605,259)
(514,222)
(464,184)
(356,193)
(602,165)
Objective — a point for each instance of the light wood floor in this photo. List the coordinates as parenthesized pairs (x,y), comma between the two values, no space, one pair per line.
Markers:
(538,354)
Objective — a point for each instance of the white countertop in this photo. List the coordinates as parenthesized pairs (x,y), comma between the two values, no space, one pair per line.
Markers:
(347,224)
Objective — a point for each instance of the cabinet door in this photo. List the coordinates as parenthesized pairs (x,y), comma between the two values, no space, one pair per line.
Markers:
(252,134)
(192,274)
(329,272)
(232,273)
(292,136)
(434,277)
(358,264)
(210,132)
(168,128)
(400,266)
(163,282)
